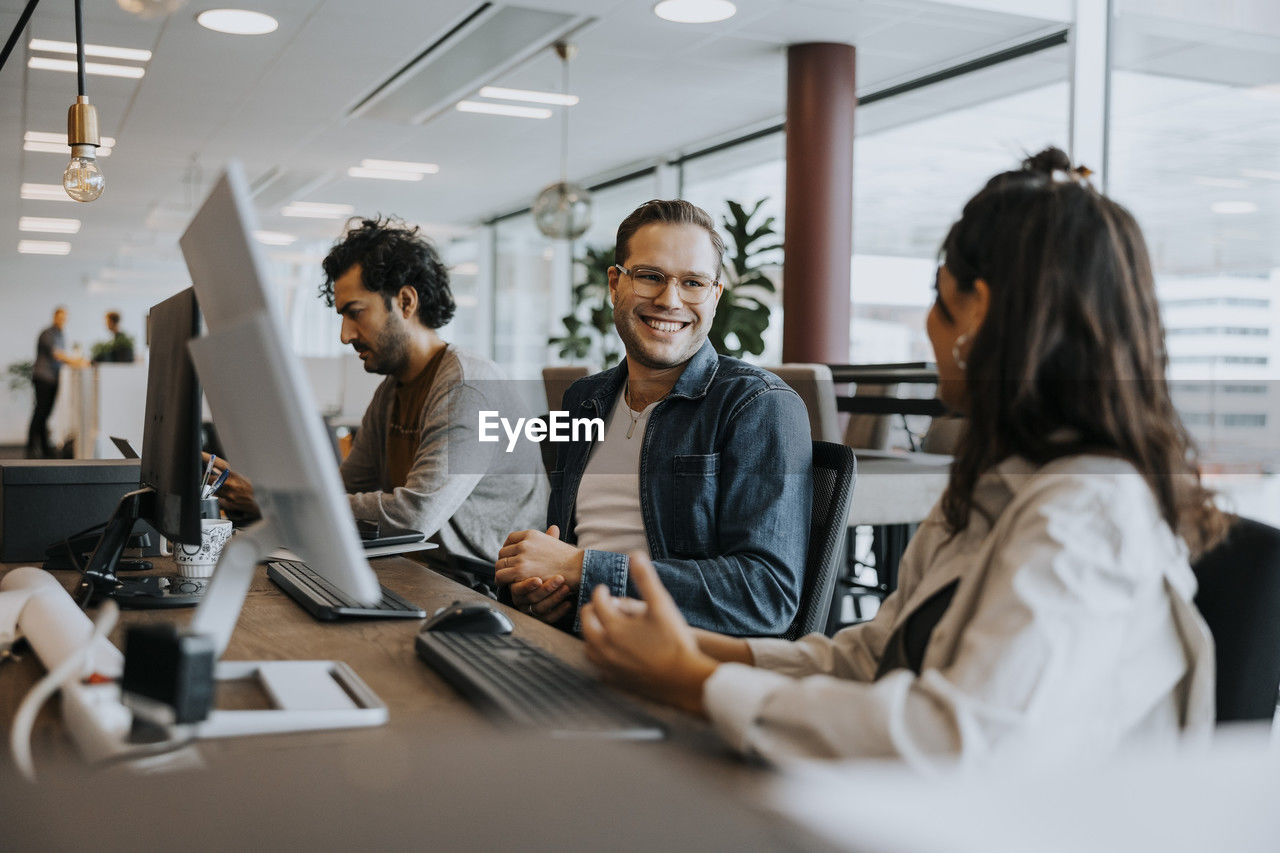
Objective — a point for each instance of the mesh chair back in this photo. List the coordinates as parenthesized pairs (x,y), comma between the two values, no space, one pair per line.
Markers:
(834,473)
(1239,598)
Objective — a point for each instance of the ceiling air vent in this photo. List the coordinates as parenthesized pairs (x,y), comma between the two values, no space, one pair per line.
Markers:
(277,186)
(481,47)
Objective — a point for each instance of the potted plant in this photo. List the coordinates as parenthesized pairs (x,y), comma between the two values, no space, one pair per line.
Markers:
(589,323)
(19,376)
(742,316)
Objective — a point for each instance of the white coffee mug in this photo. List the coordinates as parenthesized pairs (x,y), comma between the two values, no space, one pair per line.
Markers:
(197,561)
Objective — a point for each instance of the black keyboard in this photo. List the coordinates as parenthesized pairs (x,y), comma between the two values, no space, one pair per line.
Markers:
(521,684)
(325,602)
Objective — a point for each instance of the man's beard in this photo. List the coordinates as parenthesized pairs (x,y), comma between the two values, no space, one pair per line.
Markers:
(390,352)
(626,327)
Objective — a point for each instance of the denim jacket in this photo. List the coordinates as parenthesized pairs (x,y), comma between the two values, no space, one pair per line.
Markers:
(726,485)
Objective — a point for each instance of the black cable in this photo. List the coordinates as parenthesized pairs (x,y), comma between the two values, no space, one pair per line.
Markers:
(80,47)
(17,31)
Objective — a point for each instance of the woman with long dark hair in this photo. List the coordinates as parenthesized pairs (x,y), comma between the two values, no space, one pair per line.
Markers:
(1044,606)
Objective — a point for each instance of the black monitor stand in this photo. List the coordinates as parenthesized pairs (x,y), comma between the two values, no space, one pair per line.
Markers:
(99,579)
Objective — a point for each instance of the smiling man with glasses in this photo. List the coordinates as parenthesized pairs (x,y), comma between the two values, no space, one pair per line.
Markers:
(706,463)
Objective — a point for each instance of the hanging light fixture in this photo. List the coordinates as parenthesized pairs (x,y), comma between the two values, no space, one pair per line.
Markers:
(82,180)
(562,211)
(148,9)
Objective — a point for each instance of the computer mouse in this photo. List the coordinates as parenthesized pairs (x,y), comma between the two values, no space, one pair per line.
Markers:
(475,618)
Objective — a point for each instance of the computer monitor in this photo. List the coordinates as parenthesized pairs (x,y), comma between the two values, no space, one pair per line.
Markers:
(168,496)
(267,418)
(170,462)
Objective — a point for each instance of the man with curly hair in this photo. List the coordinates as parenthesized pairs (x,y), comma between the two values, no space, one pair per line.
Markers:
(416,463)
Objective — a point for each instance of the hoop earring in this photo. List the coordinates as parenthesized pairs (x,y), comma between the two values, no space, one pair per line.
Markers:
(955,351)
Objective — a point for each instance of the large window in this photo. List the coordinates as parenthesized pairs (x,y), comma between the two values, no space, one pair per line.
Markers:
(1195,154)
(919,157)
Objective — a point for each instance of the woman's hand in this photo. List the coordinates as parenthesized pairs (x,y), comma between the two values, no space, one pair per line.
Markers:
(647,646)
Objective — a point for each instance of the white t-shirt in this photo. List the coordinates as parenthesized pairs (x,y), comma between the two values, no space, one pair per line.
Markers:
(608,514)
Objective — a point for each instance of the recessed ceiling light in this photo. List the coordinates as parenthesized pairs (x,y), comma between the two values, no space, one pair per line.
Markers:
(503,109)
(44,192)
(1233,207)
(44,225)
(43,247)
(401,166)
(316,210)
(530,95)
(1223,183)
(237,22)
(383,174)
(106,51)
(274,238)
(1261,173)
(695,11)
(102,69)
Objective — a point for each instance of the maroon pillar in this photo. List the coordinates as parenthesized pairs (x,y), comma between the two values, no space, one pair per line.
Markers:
(818,235)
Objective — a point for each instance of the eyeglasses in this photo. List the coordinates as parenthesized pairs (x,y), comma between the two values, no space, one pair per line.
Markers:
(651,281)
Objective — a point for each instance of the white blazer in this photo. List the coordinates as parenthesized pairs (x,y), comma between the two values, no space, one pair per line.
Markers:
(1071,633)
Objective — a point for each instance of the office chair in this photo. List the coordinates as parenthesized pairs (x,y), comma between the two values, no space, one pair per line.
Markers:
(814,385)
(1239,598)
(834,472)
(557,379)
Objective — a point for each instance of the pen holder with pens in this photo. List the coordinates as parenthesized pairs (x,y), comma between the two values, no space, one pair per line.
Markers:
(197,560)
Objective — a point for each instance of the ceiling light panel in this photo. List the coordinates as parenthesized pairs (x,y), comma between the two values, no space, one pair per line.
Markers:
(383,174)
(503,109)
(44,192)
(316,210)
(42,136)
(60,148)
(401,166)
(43,247)
(695,11)
(1233,207)
(528,95)
(237,22)
(101,69)
(102,50)
(47,225)
(274,238)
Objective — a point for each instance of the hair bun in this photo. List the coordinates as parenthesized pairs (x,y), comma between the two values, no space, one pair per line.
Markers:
(1048,161)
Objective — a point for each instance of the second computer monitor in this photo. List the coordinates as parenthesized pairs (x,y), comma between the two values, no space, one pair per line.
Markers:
(170,462)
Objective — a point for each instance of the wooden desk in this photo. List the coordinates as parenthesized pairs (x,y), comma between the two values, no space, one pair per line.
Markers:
(438,772)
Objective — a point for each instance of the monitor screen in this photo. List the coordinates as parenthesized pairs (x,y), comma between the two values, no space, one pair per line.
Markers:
(170,460)
(267,416)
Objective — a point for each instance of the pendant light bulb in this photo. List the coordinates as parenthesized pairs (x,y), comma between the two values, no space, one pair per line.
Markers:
(83,180)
